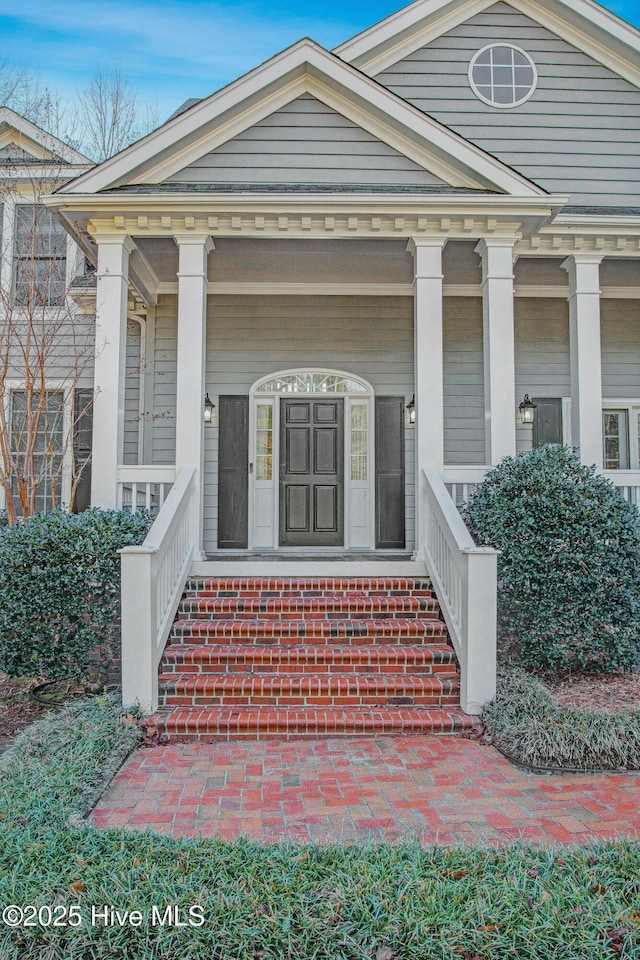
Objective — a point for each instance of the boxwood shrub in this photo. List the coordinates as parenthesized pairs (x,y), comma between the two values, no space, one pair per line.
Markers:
(569,563)
(60,590)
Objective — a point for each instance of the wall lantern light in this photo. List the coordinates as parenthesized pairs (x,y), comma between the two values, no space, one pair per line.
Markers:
(527,409)
(209,407)
(411,409)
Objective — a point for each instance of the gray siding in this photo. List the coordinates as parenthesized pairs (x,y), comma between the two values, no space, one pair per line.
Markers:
(305,142)
(164,387)
(542,355)
(578,133)
(464,440)
(620,330)
(132,394)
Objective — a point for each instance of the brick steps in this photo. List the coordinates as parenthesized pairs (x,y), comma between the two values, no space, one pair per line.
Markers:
(309,586)
(292,657)
(308,658)
(389,630)
(280,689)
(257,723)
(346,606)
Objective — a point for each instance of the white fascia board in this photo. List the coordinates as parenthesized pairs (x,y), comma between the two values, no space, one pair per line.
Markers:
(45,141)
(306,67)
(585,24)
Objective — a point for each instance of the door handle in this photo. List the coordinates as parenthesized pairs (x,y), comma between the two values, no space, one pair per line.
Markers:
(250,468)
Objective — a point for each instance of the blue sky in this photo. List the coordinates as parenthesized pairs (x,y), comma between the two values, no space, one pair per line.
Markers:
(175,49)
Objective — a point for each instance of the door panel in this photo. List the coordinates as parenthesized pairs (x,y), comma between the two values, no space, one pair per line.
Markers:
(233,473)
(312,487)
(390,532)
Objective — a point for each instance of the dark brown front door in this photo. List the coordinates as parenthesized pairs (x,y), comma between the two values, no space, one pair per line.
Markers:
(311,473)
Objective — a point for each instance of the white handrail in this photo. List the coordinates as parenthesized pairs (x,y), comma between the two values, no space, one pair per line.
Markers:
(153,578)
(464,577)
(143,485)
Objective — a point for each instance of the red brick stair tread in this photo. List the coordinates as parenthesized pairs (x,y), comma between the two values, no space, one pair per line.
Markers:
(299,722)
(362,630)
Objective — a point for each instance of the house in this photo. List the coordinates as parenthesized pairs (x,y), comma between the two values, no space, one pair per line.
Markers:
(352,269)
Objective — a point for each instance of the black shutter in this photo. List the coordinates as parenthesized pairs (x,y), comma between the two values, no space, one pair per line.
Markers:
(82,439)
(233,473)
(390,534)
(547,421)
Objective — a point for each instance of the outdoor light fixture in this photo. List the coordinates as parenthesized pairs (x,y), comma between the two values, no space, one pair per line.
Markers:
(411,408)
(209,407)
(527,409)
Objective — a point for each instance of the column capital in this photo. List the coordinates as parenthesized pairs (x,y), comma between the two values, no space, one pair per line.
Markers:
(427,257)
(194,239)
(584,273)
(498,257)
(114,240)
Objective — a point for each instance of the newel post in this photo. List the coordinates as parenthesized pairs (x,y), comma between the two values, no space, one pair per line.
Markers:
(478,664)
(139,628)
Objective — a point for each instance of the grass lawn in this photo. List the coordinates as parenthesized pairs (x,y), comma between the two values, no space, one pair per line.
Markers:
(280,902)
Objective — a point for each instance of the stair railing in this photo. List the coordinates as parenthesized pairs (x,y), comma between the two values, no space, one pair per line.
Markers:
(464,577)
(153,579)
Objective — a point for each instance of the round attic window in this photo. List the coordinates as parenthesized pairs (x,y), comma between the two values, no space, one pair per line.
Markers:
(502,75)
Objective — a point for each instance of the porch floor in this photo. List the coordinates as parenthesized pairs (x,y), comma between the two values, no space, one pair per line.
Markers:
(443,790)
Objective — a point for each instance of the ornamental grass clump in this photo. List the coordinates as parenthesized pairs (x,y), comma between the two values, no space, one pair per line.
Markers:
(526,723)
(569,563)
(60,590)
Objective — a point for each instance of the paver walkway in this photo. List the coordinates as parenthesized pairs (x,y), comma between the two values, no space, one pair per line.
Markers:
(437,789)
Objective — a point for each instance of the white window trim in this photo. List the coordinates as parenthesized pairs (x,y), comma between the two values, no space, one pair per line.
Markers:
(351,487)
(492,103)
(67,424)
(632,409)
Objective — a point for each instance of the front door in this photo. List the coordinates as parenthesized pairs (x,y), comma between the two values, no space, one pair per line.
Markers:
(311,473)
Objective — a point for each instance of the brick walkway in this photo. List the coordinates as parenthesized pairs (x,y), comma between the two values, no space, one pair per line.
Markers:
(438,789)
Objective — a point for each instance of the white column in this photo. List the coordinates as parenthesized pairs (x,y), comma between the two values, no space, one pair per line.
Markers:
(499,347)
(429,364)
(192,328)
(109,366)
(586,355)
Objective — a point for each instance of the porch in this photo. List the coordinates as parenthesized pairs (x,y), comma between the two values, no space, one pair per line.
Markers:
(455,331)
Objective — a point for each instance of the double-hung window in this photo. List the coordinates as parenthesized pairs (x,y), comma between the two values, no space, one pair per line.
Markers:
(40,257)
(37,447)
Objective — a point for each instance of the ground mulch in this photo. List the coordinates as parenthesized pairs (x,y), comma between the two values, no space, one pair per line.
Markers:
(601,693)
(18,709)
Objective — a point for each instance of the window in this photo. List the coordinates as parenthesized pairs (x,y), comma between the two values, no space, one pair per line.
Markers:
(358,442)
(615,438)
(264,441)
(37,445)
(502,75)
(40,257)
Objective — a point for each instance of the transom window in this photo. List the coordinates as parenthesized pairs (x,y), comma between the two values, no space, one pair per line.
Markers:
(312,382)
(502,75)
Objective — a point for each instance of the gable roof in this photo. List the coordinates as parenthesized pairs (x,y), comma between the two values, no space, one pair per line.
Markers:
(304,68)
(584,23)
(36,143)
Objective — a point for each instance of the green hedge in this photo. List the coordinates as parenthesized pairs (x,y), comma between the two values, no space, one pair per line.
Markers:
(569,563)
(60,590)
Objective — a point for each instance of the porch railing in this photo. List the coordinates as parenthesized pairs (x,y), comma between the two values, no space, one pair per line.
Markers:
(465,580)
(143,486)
(461,482)
(153,578)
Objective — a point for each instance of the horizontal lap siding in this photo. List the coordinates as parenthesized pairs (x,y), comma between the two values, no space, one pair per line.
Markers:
(578,133)
(305,142)
(463,381)
(132,394)
(620,327)
(249,337)
(164,390)
(542,355)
